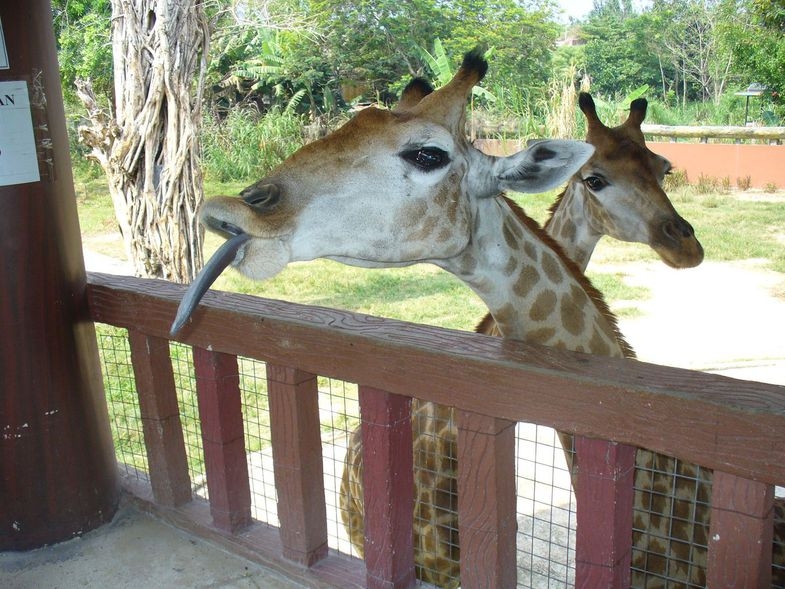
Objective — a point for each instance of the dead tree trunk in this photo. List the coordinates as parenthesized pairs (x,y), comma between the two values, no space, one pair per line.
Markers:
(149,149)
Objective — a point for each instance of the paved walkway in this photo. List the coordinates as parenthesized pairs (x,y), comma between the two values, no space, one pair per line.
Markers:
(135,551)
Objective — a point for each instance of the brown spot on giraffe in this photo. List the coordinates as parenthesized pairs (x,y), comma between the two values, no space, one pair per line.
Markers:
(551,268)
(572,316)
(526,282)
(543,306)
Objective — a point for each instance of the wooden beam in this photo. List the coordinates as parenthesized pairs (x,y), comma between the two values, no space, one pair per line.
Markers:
(220,414)
(388,485)
(297,463)
(711,420)
(713,131)
(160,412)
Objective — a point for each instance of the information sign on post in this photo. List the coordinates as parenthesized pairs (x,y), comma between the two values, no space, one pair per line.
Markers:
(18,159)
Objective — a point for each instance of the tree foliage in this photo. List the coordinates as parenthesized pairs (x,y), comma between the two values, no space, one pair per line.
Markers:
(754,30)
(618,51)
(84,48)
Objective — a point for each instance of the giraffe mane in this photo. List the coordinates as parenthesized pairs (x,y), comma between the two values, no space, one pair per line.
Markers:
(551,210)
(592,292)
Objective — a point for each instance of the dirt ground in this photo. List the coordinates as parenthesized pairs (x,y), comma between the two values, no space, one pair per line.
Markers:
(727,318)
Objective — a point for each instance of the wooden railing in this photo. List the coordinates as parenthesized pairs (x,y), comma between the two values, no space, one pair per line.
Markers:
(735,427)
(704,133)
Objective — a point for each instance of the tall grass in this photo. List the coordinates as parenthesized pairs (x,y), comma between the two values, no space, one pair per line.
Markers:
(246,144)
(562,105)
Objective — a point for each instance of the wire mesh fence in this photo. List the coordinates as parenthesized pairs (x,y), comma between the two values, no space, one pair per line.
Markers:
(546,512)
(185,384)
(123,404)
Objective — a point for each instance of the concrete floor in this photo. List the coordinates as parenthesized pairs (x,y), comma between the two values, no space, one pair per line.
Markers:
(135,550)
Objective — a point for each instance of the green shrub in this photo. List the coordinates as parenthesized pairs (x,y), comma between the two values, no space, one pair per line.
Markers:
(676,179)
(706,185)
(245,145)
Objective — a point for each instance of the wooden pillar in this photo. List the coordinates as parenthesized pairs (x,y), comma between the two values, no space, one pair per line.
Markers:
(604,497)
(388,485)
(740,537)
(160,413)
(221,416)
(297,461)
(58,476)
(486,500)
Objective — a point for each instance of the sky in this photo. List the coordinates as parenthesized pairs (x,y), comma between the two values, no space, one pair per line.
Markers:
(575,8)
(578,9)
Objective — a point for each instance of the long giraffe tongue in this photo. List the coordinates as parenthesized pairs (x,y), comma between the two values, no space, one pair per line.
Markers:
(223,257)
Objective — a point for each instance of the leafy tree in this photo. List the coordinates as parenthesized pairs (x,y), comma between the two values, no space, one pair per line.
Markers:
(618,52)
(373,43)
(84,49)
(265,57)
(687,36)
(522,37)
(754,31)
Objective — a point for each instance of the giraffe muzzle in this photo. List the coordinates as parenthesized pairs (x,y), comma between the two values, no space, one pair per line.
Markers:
(677,245)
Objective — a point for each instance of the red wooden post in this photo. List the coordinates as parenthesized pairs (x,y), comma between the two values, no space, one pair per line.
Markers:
(297,462)
(604,496)
(388,484)
(740,536)
(160,412)
(58,476)
(486,500)
(221,417)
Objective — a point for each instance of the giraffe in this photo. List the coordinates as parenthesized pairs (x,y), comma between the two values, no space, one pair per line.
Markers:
(439,205)
(617,192)
(632,207)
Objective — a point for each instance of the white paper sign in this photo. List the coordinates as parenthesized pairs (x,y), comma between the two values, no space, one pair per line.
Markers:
(18,159)
(4,65)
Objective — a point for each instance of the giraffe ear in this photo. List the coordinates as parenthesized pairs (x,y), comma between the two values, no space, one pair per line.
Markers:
(542,166)
(637,112)
(414,92)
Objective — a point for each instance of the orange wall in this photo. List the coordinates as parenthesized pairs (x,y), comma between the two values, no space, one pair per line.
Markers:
(764,164)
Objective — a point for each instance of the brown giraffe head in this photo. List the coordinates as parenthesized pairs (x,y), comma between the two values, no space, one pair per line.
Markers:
(624,184)
(389,188)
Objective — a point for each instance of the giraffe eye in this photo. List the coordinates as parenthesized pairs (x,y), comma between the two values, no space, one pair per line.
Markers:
(426,158)
(595,182)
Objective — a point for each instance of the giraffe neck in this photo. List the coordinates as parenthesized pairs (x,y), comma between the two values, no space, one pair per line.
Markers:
(530,288)
(571,224)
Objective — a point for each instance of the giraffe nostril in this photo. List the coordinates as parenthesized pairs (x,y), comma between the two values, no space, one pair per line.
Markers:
(261,195)
(677,229)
